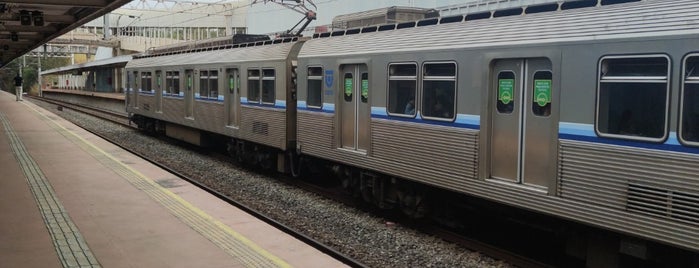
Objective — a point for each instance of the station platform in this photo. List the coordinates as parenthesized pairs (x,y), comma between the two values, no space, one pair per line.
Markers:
(70,199)
(94,94)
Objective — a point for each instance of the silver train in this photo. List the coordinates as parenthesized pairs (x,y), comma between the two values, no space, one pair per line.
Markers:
(587,114)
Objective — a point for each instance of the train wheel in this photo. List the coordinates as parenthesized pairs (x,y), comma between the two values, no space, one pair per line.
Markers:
(412,203)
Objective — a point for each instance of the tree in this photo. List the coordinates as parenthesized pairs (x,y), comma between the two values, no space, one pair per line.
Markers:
(29,71)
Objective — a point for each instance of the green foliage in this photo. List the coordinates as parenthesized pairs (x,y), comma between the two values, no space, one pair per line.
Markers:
(29,72)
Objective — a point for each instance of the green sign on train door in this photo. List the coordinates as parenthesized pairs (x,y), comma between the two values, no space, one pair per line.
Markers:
(348,87)
(506,90)
(365,88)
(542,92)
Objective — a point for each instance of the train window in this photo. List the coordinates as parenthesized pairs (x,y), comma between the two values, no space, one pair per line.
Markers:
(213,84)
(365,87)
(541,97)
(254,85)
(135,82)
(268,80)
(146,82)
(349,87)
(689,126)
(402,89)
(439,90)
(158,80)
(633,95)
(172,83)
(190,85)
(506,92)
(315,87)
(203,84)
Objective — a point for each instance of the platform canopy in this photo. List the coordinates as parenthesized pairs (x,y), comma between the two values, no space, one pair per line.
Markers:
(28,24)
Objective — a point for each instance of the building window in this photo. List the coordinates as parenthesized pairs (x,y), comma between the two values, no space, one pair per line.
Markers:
(689,126)
(268,87)
(253,85)
(402,89)
(172,83)
(315,87)
(633,94)
(439,90)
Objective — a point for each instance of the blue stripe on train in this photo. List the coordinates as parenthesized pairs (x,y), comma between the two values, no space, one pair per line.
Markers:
(586,132)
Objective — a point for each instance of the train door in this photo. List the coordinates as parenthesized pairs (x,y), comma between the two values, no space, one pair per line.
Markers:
(233,97)
(136,88)
(159,91)
(129,89)
(523,130)
(355,110)
(189,93)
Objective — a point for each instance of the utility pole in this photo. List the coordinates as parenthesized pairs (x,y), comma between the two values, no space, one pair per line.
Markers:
(298,6)
(38,72)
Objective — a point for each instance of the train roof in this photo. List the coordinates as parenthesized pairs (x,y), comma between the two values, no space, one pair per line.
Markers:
(255,51)
(651,18)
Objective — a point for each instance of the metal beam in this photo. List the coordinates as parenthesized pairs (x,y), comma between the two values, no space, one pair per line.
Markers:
(72,3)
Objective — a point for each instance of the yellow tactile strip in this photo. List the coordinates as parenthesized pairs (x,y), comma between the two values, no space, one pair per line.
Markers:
(69,244)
(235,244)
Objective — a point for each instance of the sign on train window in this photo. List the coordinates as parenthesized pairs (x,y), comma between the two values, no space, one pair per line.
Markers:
(365,87)
(633,97)
(402,89)
(253,85)
(689,118)
(439,90)
(135,82)
(506,92)
(349,87)
(189,79)
(315,87)
(541,97)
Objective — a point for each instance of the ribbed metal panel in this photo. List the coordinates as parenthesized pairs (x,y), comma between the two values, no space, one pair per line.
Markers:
(173,110)
(647,182)
(648,18)
(263,125)
(246,54)
(441,156)
(146,101)
(209,116)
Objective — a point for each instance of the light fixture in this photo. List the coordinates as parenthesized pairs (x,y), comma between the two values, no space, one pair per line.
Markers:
(38,18)
(14,37)
(25,18)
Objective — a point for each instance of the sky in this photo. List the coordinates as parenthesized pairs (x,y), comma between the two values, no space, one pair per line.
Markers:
(270,17)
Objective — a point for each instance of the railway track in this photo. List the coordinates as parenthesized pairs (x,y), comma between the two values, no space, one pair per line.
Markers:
(448,235)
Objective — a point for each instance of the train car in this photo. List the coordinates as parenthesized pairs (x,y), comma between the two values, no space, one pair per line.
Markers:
(241,91)
(588,114)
